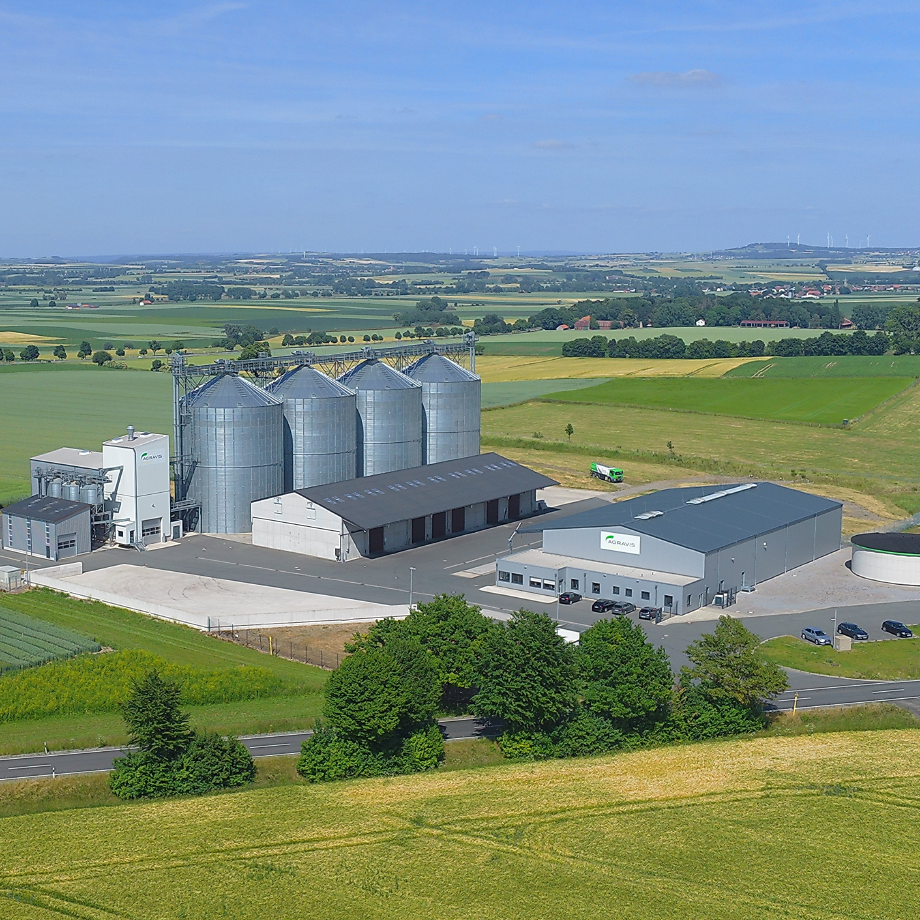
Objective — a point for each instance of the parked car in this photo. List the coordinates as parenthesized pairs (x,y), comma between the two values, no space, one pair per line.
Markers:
(569,597)
(852,630)
(621,608)
(897,628)
(650,613)
(818,636)
(603,606)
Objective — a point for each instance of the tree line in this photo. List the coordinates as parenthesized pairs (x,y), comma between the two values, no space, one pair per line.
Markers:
(611,691)
(670,346)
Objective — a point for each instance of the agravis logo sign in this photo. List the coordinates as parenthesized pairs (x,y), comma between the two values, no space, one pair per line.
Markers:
(620,542)
(151,458)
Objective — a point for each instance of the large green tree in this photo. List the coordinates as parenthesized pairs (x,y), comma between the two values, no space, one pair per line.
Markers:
(526,674)
(728,667)
(378,696)
(452,630)
(624,678)
(156,723)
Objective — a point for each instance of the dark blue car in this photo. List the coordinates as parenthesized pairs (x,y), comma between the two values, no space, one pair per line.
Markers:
(852,630)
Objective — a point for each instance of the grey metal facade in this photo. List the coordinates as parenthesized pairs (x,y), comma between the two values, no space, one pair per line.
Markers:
(451,403)
(389,418)
(52,536)
(689,547)
(236,440)
(320,428)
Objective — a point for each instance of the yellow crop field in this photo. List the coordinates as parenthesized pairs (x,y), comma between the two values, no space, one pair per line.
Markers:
(803,827)
(510,369)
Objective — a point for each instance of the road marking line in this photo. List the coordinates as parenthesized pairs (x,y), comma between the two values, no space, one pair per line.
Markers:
(892,690)
(32,766)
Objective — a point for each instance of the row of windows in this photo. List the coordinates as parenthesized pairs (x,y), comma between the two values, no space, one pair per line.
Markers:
(67,544)
(548,585)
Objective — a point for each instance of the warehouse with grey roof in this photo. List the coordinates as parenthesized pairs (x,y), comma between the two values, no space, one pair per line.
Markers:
(678,549)
(393,511)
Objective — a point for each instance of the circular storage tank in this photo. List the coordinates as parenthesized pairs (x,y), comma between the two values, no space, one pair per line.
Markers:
(90,495)
(890,557)
(320,428)
(389,408)
(72,492)
(235,438)
(54,488)
(451,403)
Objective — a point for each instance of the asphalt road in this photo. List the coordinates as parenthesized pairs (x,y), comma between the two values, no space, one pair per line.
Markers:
(812,691)
(99,760)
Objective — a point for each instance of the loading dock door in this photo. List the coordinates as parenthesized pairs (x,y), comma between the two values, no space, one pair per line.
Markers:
(514,507)
(438,525)
(458,520)
(375,540)
(418,530)
(492,511)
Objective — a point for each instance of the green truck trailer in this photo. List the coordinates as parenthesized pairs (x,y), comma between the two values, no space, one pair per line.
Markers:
(607,473)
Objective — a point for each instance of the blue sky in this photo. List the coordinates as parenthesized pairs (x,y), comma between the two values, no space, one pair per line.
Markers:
(593,127)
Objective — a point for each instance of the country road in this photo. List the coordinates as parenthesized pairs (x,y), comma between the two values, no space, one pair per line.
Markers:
(99,760)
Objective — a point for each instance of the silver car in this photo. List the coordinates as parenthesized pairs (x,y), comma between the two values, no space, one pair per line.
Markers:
(818,636)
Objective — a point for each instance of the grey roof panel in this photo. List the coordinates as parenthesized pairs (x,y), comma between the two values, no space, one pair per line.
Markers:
(306,383)
(375,375)
(373,501)
(708,526)
(45,508)
(229,392)
(438,369)
(72,456)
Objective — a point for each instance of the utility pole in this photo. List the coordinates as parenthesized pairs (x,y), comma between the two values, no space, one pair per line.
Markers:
(411,574)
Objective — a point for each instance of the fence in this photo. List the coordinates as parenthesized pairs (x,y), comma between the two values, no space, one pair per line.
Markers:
(281,648)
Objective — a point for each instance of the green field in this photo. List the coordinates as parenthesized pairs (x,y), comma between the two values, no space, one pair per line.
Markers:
(843,366)
(820,401)
(45,407)
(26,641)
(729,831)
(221,679)
(509,394)
(896,659)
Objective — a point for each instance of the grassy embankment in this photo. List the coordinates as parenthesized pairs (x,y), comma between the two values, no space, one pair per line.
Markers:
(896,659)
(732,829)
(86,714)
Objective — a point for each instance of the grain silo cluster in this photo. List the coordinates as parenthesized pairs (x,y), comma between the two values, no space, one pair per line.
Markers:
(244,442)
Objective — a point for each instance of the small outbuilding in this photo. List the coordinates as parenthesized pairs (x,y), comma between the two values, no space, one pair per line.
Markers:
(52,528)
(393,511)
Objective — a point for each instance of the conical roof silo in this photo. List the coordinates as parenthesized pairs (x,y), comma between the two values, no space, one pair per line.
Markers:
(452,402)
(389,408)
(320,428)
(236,444)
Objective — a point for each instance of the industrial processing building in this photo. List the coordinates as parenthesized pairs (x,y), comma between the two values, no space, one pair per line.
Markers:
(81,498)
(394,511)
(678,549)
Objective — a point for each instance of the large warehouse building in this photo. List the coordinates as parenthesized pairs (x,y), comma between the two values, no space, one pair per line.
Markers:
(678,549)
(393,511)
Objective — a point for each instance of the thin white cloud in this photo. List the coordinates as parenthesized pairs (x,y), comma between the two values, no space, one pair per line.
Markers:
(552,144)
(667,79)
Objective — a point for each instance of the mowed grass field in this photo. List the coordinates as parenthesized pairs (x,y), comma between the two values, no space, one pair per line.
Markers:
(842,366)
(821,400)
(883,660)
(799,827)
(46,406)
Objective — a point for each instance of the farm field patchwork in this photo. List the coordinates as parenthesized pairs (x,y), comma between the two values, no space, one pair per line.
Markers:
(719,830)
(821,401)
(26,641)
(508,369)
(509,394)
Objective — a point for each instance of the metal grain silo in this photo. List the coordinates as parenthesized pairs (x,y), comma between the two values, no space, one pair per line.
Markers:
(235,437)
(452,402)
(389,418)
(320,428)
